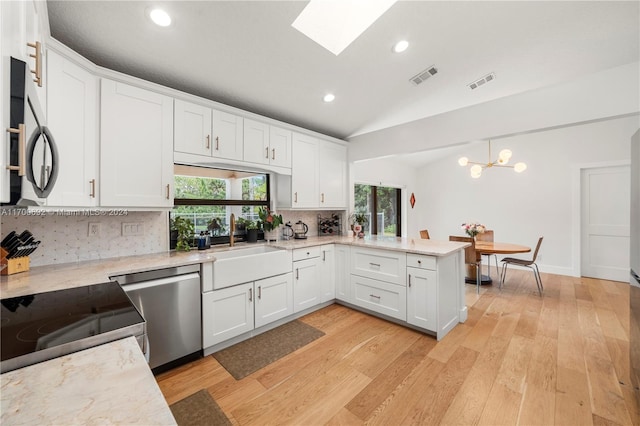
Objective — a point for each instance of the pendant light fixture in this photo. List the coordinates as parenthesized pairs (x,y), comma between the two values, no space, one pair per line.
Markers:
(503,158)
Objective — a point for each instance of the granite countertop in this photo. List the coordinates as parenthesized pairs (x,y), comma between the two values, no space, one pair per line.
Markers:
(82,388)
(57,277)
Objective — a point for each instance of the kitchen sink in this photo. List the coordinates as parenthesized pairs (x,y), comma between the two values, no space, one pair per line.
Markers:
(242,265)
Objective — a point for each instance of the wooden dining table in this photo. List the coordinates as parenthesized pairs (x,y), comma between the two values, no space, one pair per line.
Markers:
(490,247)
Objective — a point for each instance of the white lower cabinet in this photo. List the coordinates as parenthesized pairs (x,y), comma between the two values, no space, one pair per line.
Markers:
(274,299)
(327,272)
(422,295)
(226,313)
(232,311)
(342,254)
(379,296)
(307,289)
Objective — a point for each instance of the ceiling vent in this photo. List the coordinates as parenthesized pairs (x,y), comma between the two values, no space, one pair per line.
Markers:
(423,75)
(487,78)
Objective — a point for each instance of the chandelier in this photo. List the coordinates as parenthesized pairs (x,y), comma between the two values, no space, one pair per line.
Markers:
(503,159)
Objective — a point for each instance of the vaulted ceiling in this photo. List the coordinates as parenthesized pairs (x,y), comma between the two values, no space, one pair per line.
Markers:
(247,54)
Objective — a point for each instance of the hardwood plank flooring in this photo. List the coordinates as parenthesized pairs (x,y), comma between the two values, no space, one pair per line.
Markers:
(518,359)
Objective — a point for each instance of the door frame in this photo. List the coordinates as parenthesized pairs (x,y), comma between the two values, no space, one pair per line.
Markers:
(576,202)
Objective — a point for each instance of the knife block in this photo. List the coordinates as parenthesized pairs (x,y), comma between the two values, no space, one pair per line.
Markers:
(13,266)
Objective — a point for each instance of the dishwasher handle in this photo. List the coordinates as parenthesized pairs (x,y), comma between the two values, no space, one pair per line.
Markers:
(160,282)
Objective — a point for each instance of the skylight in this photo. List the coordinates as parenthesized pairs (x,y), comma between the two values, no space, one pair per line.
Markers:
(335,24)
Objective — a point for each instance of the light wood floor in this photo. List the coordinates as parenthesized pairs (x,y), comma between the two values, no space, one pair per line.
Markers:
(519,359)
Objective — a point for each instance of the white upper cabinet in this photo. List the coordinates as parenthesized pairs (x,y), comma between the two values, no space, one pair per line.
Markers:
(304,172)
(280,147)
(265,144)
(192,128)
(227,135)
(136,147)
(256,142)
(72,102)
(333,175)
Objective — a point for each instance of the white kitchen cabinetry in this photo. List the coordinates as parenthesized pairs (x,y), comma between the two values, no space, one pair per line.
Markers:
(304,172)
(228,133)
(307,289)
(273,299)
(227,313)
(72,104)
(192,128)
(327,272)
(136,147)
(265,144)
(342,256)
(333,175)
(379,296)
(422,296)
(383,265)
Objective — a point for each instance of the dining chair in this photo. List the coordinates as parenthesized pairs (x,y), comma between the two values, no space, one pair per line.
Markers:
(424,234)
(531,264)
(471,257)
(487,235)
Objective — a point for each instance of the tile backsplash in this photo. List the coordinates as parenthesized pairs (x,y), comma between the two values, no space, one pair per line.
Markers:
(65,238)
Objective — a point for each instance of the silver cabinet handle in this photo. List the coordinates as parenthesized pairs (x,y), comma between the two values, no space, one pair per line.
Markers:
(322,196)
(374,264)
(92,194)
(217,143)
(250,295)
(295,197)
(273,153)
(208,141)
(409,280)
(266,150)
(168,191)
(374,296)
(323,255)
(259,292)
(297,274)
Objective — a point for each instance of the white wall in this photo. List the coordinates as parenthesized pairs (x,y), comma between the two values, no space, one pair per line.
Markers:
(522,207)
(390,172)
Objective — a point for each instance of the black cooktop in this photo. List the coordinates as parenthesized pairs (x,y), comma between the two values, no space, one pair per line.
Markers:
(63,321)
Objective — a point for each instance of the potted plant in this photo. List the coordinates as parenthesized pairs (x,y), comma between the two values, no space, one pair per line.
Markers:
(184,233)
(252,231)
(358,220)
(270,223)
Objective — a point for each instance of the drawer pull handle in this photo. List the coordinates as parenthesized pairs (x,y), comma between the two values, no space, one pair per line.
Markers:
(374,264)
(168,192)
(273,154)
(208,141)
(297,274)
(250,295)
(295,197)
(419,262)
(92,194)
(217,143)
(409,280)
(374,296)
(266,152)
(323,256)
(259,292)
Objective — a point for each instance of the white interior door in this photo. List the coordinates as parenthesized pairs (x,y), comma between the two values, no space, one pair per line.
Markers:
(605,195)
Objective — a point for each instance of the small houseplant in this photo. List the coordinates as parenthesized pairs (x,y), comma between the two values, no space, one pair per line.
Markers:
(252,230)
(184,229)
(270,223)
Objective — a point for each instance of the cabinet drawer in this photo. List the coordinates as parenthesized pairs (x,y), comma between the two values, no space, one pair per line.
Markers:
(379,296)
(306,253)
(421,261)
(381,265)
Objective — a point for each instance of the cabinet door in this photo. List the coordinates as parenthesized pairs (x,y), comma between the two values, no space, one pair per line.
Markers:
(274,299)
(280,146)
(72,117)
(227,131)
(306,284)
(304,172)
(327,272)
(333,175)
(256,142)
(192,128)
(342,256)
(226,313)
(136,147)
(421,298)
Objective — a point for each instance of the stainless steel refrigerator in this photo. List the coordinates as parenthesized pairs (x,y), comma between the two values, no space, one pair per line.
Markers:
(634,320)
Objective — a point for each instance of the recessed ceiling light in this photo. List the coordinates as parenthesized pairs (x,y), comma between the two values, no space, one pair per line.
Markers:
(329,97)
(160,17)
(401,46)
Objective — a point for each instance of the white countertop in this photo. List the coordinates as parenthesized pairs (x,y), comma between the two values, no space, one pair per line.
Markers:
(107,384)
(57,277)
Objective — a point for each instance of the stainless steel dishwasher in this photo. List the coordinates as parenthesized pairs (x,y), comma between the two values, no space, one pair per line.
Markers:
(169,300)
